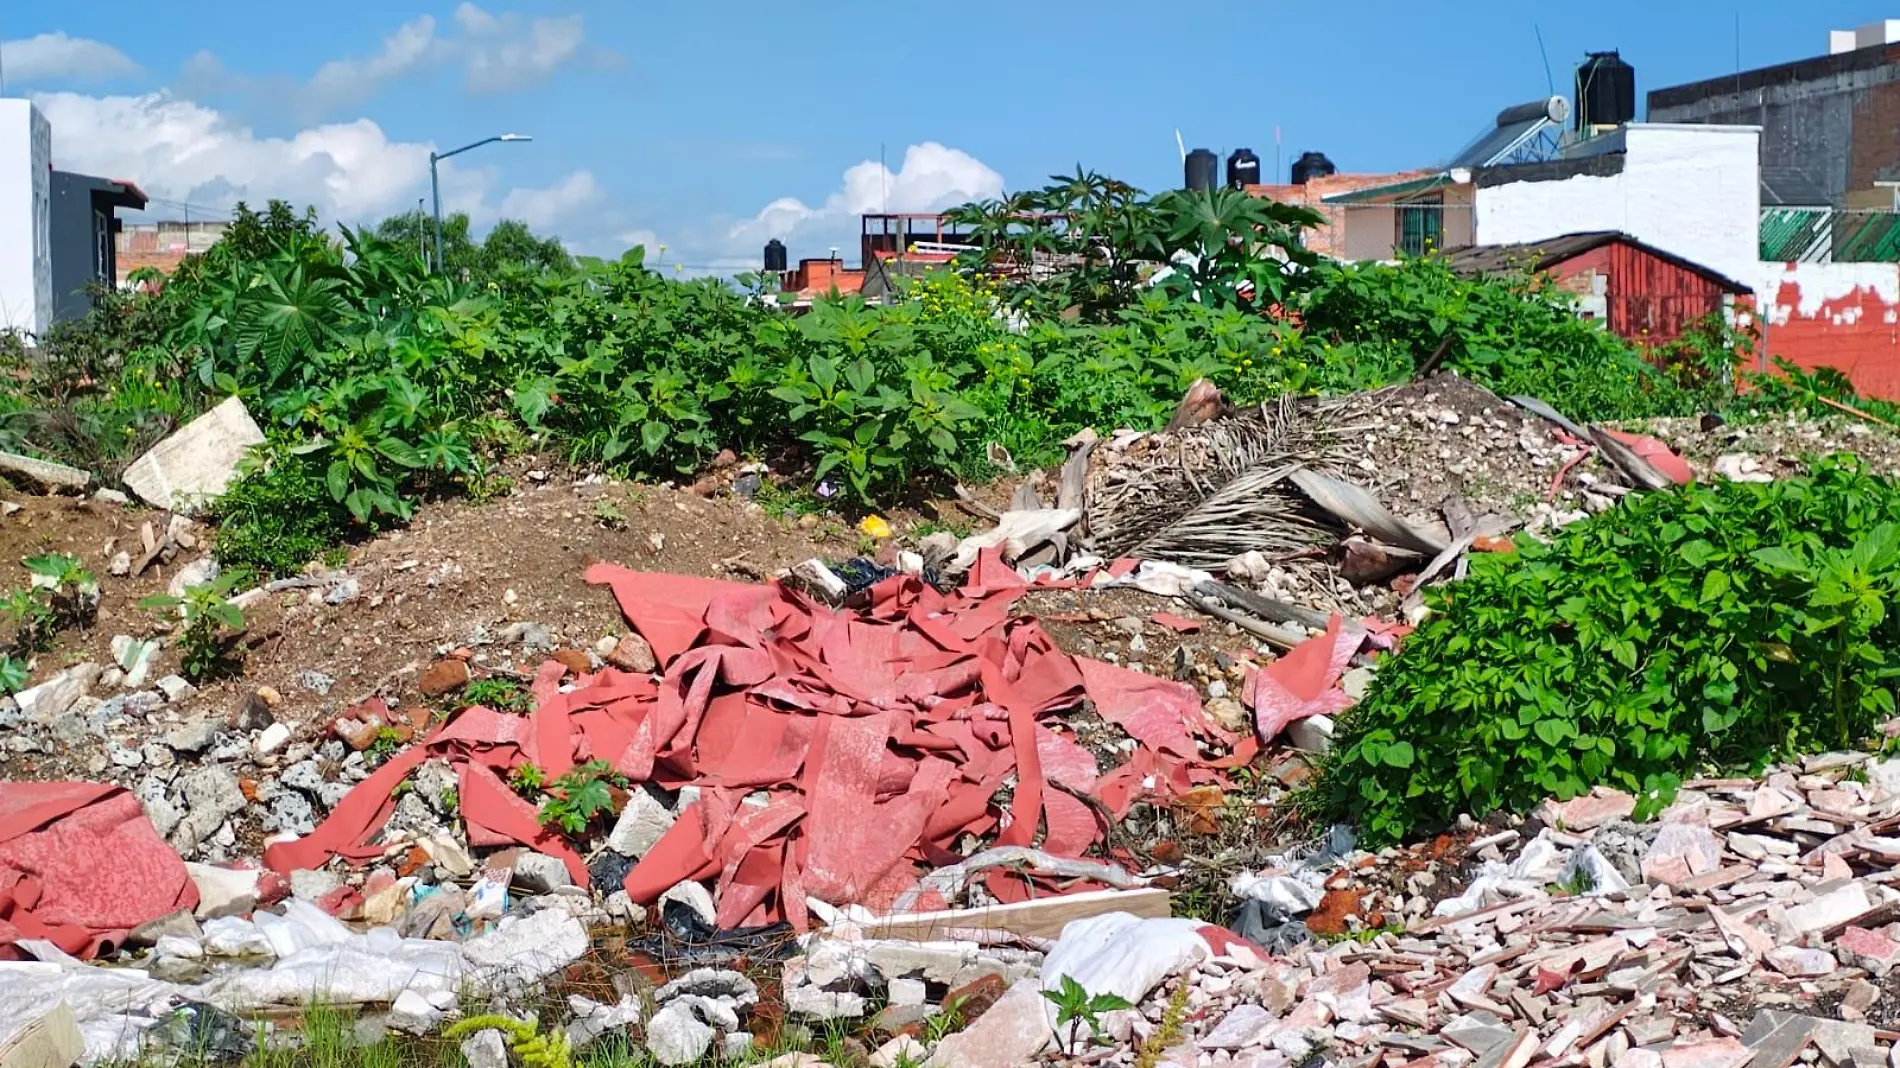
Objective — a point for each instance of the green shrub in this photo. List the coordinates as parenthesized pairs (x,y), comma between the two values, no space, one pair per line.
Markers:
(1512,333)
(1702,627)
(277,517)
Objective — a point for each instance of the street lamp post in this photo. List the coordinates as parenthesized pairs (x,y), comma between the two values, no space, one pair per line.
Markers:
(435,184)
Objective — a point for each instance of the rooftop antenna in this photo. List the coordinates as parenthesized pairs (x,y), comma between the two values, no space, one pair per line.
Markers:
(1549,81)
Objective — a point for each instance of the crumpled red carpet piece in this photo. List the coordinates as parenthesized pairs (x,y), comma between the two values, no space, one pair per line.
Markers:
(839,754)
(81,867)
(1304,682)
(1660,455)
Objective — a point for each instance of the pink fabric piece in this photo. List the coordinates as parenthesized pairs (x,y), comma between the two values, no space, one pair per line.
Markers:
(81,866)
(1304,682)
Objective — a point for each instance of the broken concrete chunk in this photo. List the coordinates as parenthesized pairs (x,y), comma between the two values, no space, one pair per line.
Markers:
(197,462)
(1010,1034)
(1837,909)
(43,474)
(641,823)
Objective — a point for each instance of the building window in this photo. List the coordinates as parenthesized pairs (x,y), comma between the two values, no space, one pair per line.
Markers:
(102,247)
(1421,225)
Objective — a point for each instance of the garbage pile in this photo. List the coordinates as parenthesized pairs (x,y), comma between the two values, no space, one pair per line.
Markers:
(1754,922)
(1326,505)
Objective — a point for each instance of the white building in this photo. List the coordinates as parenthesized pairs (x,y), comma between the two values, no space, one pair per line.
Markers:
(26,218)
(1691,190)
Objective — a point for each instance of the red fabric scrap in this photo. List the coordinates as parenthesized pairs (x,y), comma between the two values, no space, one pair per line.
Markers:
(1178,624)
(1660,456)
(1304,682)
(81,867)
(878,737)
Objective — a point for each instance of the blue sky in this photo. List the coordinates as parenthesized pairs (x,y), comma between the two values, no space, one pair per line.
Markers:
(710,126)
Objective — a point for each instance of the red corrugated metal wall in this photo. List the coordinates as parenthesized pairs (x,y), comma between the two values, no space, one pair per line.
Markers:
(1647,298)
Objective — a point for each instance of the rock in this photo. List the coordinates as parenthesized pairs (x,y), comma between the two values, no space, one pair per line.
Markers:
(343,592)
(272,739)
(716,983)
(106,495)
(411,1013)
(51,699)
(592,1019)
(1249,567)
(694,896)
(640,825)
(316,682)
(134,659)
(1599,807)
(437,783)
(538,873)
(1230,714)
(906,992)
(197,462)
(574,661)
(291,813)
(120,565)
(533,637)
(175,688)
(309,885)
(632,653)
(1869,949)
(443,677)
(211,796)
(195,736)
(253,713)
(902,1050)
(43,474)
(1314,734)
(682,1031)
(1011,1033)
(813,1003)
(197,573)
(817,580)
(485,1049)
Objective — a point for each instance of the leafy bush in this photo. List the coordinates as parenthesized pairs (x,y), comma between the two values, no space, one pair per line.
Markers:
(1514,334)
(277,517)
(1711,626)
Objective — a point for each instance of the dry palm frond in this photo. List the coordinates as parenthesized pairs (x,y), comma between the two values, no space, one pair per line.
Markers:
(1205,494)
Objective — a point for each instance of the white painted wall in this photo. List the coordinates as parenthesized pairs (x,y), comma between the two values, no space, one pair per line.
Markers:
(26,213)
(1693,190)
(1786,291)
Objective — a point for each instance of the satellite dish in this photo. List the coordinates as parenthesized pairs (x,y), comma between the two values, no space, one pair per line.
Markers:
(1558,109)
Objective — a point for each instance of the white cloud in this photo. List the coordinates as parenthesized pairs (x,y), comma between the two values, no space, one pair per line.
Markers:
(55,56)
(495,53)
(501,53)
(932,177)
(343,82)
(350,171)
(545,209)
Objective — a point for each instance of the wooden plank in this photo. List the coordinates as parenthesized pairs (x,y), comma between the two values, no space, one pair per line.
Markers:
(1029,919)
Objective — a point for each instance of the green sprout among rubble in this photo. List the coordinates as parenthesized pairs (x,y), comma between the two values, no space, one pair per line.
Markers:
(1073,1002)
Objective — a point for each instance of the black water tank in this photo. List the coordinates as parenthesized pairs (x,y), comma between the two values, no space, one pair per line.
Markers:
(1312,165)
(775,255)
(1203,170)
(1243,168)
(1606,91)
